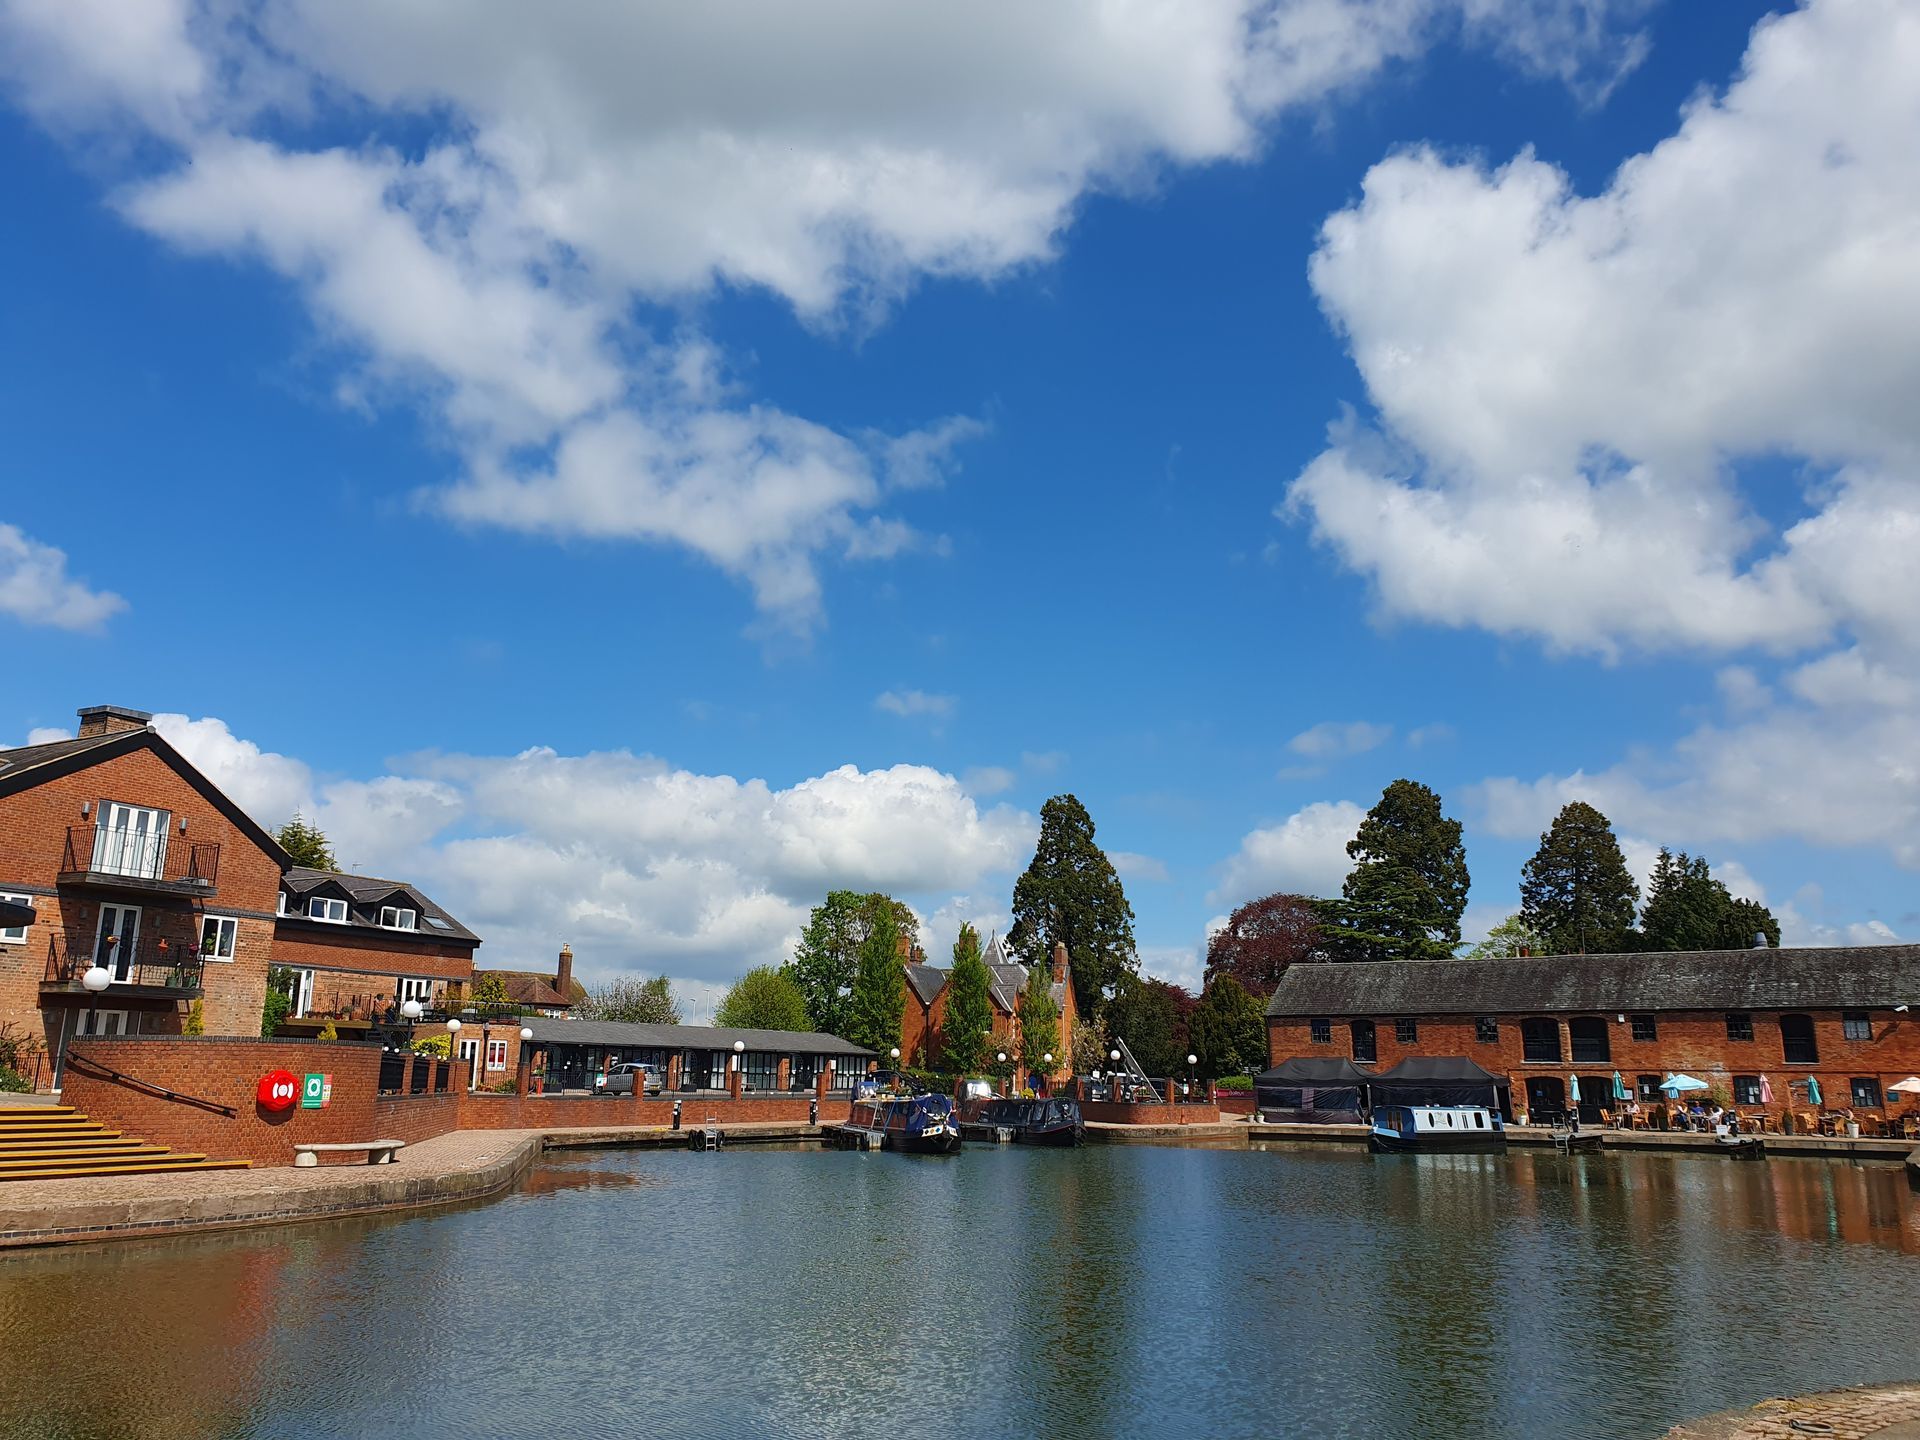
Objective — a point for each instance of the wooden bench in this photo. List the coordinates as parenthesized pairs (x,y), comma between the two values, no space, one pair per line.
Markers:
(379,1152)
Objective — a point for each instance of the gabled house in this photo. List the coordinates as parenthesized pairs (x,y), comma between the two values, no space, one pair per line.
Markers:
(358,944)
(924,1023)
(532,992)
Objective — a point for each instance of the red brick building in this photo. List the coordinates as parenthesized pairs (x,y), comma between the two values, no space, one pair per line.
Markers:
(924,1023)
(358,945)
(1751,1023)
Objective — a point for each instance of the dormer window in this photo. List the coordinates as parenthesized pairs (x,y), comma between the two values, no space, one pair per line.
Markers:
(281,907)
(393,917)
(332,911)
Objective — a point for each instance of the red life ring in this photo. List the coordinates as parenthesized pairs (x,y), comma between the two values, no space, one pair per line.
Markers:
(279,1090)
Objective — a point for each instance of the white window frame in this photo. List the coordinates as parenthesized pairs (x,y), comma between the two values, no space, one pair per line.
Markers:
(302,992)
(280,905)
(123,849)
(412,987)
(223,924)
(15,934)
(403,918)
(330,904)
(496,1054)
(104,1024)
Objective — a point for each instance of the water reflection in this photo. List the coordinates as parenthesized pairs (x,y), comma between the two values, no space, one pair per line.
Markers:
(1112,1291)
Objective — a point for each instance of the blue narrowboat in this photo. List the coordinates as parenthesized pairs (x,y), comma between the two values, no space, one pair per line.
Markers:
(1417,1129)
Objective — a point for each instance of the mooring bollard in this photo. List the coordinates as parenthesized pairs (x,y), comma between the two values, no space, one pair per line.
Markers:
(676,1114)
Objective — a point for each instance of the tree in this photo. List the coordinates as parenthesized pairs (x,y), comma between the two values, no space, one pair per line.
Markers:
(631,1000)
(279,1000)
(1510,938)
(1409,879)
(879,996)
(1071,895)
(1576,893)
(1228,1030)
(967,1031)
(306,844)
(1261,939)
(828,955)
(1148,1015)
(1039,1023)
(1687,909)
(764,999)
(487,993)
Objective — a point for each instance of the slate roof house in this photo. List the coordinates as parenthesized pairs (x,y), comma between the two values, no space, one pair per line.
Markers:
(923,1024)
(1754,1023)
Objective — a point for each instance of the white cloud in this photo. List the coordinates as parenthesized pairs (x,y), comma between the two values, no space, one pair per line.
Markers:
(908,703)
(640,865)
(1042,762)
(988,780)
(532,190)
(35,588)
(1306,853)
(1564,381)
(1438,733)
(1336,739)
(46,735)
(1138,867)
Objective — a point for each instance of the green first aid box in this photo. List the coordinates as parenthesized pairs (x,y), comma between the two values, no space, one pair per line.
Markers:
(316,1091)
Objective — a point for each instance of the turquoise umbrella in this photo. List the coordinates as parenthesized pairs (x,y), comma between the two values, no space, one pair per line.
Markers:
(1675,1084)
(1573,1088)
(1813,1092)
(1619,1087)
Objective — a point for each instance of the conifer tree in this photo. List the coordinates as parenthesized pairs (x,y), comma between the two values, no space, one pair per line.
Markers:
(1408,887)
(967,1032)
(1228,1030)
(1072,895)
(1687,909)
(1039,1023)
(1576,893)
(306,844)
(879,996)
(828,955)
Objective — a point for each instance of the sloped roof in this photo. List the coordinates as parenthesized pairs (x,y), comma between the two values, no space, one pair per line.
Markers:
(548,1031)
(25,757)
(927,982)
(528,987)
(1314,1070)
(435,923)
(1799,978)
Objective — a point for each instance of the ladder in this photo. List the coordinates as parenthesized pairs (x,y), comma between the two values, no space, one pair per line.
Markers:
(711,1139)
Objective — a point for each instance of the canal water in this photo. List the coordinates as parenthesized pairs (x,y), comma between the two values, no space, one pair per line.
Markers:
(1113,1291)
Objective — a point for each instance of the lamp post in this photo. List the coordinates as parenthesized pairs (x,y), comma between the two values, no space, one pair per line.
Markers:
(453,1046)
(93,982)
(1193,1080)
(1114,1074)
(1000,1059)
(740,1064)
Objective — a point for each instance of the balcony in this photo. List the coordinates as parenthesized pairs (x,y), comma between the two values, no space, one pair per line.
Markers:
(141,973)
(117,859)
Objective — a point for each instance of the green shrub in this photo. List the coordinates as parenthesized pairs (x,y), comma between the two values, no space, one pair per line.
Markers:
(12,1082)
(438,1046)
(1235,1082)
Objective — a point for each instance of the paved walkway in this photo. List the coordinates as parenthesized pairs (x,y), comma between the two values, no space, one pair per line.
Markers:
(1885,1412)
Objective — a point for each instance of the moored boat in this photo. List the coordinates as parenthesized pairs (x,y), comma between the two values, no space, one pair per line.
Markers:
(1027,1122)
(1741,1147)
(1418,1129)
(912,1124)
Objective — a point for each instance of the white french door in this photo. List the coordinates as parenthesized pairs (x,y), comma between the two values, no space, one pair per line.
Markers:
(130,840)
(104,1022)
(116,943)
(470,1056)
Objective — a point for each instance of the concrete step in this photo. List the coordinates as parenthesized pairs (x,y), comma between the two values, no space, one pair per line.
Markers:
(33,1114)
(120,1150)
(60,1132)
(66,1142)
(58,1171)
(88,1160)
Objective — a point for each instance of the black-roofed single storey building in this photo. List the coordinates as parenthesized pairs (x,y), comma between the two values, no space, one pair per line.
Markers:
(1755,1025)
(577,1054)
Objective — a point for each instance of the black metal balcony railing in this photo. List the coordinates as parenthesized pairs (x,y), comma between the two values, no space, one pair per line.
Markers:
(102,854)
(152,969)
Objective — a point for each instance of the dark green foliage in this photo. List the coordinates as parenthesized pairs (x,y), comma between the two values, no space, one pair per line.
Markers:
(279,1002)
(1261,939)
(968,1027)
(879,995)
(17,1053)
(764,999)
(306,844)
(1576,893)
(1687,909)
(1071,894)
(1039,1023)
(1228,1030)
(828,954)
(1408,886)
(1148,1014)
(630,1000)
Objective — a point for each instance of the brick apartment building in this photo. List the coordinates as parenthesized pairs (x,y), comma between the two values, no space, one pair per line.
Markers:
(139,865)
(1751,1023)
(923,1025)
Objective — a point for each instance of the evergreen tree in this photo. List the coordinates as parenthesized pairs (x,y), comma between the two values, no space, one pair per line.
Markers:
(1687,909)
(1510,938)
(1039,1024)
(828,955)
(631,1000)
(967,1031)
(1576,893)
(1228,1031)
(1409,880)
(763,999)
(1745,919)
(879,996)
(306,844)
(1071,894)
(1261,939)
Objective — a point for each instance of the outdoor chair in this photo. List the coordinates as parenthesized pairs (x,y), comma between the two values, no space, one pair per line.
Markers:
(1806,1122)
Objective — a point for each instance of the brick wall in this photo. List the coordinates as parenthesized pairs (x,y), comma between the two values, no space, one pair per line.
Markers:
(533,1112)
(311,945)
(1119,1112)
(1695,1043)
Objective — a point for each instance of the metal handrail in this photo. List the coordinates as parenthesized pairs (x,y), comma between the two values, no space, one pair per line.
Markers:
(107,1072)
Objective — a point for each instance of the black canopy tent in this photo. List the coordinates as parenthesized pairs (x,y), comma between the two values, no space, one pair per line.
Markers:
(1317,1090)
(1439,1080)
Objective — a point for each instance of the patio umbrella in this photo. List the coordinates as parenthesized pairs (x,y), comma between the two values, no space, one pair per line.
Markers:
(13,914)
(1908,1086)
(1678,1084)
(1813,1092)
(1766,1091)
(1573,1089)
(1619,1087)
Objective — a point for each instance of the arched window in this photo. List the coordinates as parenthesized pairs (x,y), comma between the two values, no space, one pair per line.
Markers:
(1589,1036)
(1363,1048)
(1540,1040)
(1796,1040)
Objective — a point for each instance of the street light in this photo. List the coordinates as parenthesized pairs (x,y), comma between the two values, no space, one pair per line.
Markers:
(453,1036)
(411,1010)
(93,982)
(739,1064)
(1193,1080)
(1001,1064)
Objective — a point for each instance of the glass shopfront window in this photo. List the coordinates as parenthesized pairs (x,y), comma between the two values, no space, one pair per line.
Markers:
(763,1069)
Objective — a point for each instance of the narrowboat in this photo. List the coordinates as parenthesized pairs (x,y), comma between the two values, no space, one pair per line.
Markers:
(1422,1129)
(911,1124)
(1027,1122)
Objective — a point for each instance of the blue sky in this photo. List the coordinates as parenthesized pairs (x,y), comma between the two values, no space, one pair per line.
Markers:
(554,459)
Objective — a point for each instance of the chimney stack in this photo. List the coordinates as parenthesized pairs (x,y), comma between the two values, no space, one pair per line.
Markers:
(110,720)
(1059,962)
(563,978)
